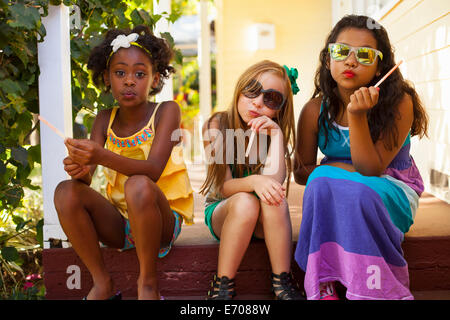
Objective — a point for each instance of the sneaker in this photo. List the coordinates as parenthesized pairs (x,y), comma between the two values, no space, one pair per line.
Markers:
(327,291)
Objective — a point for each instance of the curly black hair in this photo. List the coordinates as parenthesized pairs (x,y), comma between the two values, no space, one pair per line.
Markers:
(161,55)
(382,116)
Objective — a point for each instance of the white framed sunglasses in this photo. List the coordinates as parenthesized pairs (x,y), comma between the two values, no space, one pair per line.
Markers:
(364,55)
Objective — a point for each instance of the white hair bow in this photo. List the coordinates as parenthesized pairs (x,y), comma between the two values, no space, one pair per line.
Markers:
(122,41)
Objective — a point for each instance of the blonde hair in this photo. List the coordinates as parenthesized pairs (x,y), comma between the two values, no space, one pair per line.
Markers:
(230,119)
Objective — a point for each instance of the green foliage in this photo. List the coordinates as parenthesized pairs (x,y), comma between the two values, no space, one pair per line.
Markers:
(21,240)
(21,29)
(186,89)
(35,292)
(186,84)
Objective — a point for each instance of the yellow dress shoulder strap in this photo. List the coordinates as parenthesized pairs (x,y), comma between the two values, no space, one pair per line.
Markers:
(112,117)
(152,118)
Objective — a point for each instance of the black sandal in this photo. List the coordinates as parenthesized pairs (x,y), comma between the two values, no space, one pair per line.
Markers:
(283,284)
(221,289)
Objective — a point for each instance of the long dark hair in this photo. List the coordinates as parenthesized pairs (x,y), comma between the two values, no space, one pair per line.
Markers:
(382,116)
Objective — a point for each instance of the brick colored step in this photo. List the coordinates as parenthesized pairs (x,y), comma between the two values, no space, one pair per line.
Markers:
(188,269)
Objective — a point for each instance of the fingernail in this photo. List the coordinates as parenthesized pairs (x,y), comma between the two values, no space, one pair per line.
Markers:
(378,88)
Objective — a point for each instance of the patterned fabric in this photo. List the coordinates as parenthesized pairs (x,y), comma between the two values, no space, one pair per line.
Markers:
(129,241)
(176,232)
(133,142)
(353,225)
(173,182)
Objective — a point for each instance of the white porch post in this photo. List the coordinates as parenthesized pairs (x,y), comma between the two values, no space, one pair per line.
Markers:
(204,64)
(55,104)
(163,26)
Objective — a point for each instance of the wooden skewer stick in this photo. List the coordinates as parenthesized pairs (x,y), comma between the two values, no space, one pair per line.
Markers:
(54,129)
(389,73)
(250,142)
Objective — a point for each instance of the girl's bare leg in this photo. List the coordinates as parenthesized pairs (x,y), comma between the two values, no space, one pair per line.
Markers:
(152,223)
(274,226)
(234,221)
(87,218)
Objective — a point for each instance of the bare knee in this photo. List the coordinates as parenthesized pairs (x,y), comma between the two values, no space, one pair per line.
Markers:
(245,206)
(272,210)
(67,194)
(140,191)
(275,214)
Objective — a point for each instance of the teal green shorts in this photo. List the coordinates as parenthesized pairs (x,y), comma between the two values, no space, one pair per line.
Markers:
(209,212)
(208,217)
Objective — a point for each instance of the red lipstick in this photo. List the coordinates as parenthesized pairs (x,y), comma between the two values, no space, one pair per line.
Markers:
(348,74)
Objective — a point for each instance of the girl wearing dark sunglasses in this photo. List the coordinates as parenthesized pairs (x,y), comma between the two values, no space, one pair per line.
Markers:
(246,199)
(361,199)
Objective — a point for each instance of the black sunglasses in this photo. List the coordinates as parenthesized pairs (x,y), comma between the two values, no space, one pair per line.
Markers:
(272,98)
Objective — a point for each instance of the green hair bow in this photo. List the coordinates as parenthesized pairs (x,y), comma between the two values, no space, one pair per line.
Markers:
(293,75)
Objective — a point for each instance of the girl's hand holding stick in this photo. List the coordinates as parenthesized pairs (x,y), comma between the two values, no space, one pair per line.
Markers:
(74,169)
(257,124)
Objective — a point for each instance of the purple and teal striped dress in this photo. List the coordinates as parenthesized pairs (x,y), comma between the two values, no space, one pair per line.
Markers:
(353,225)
